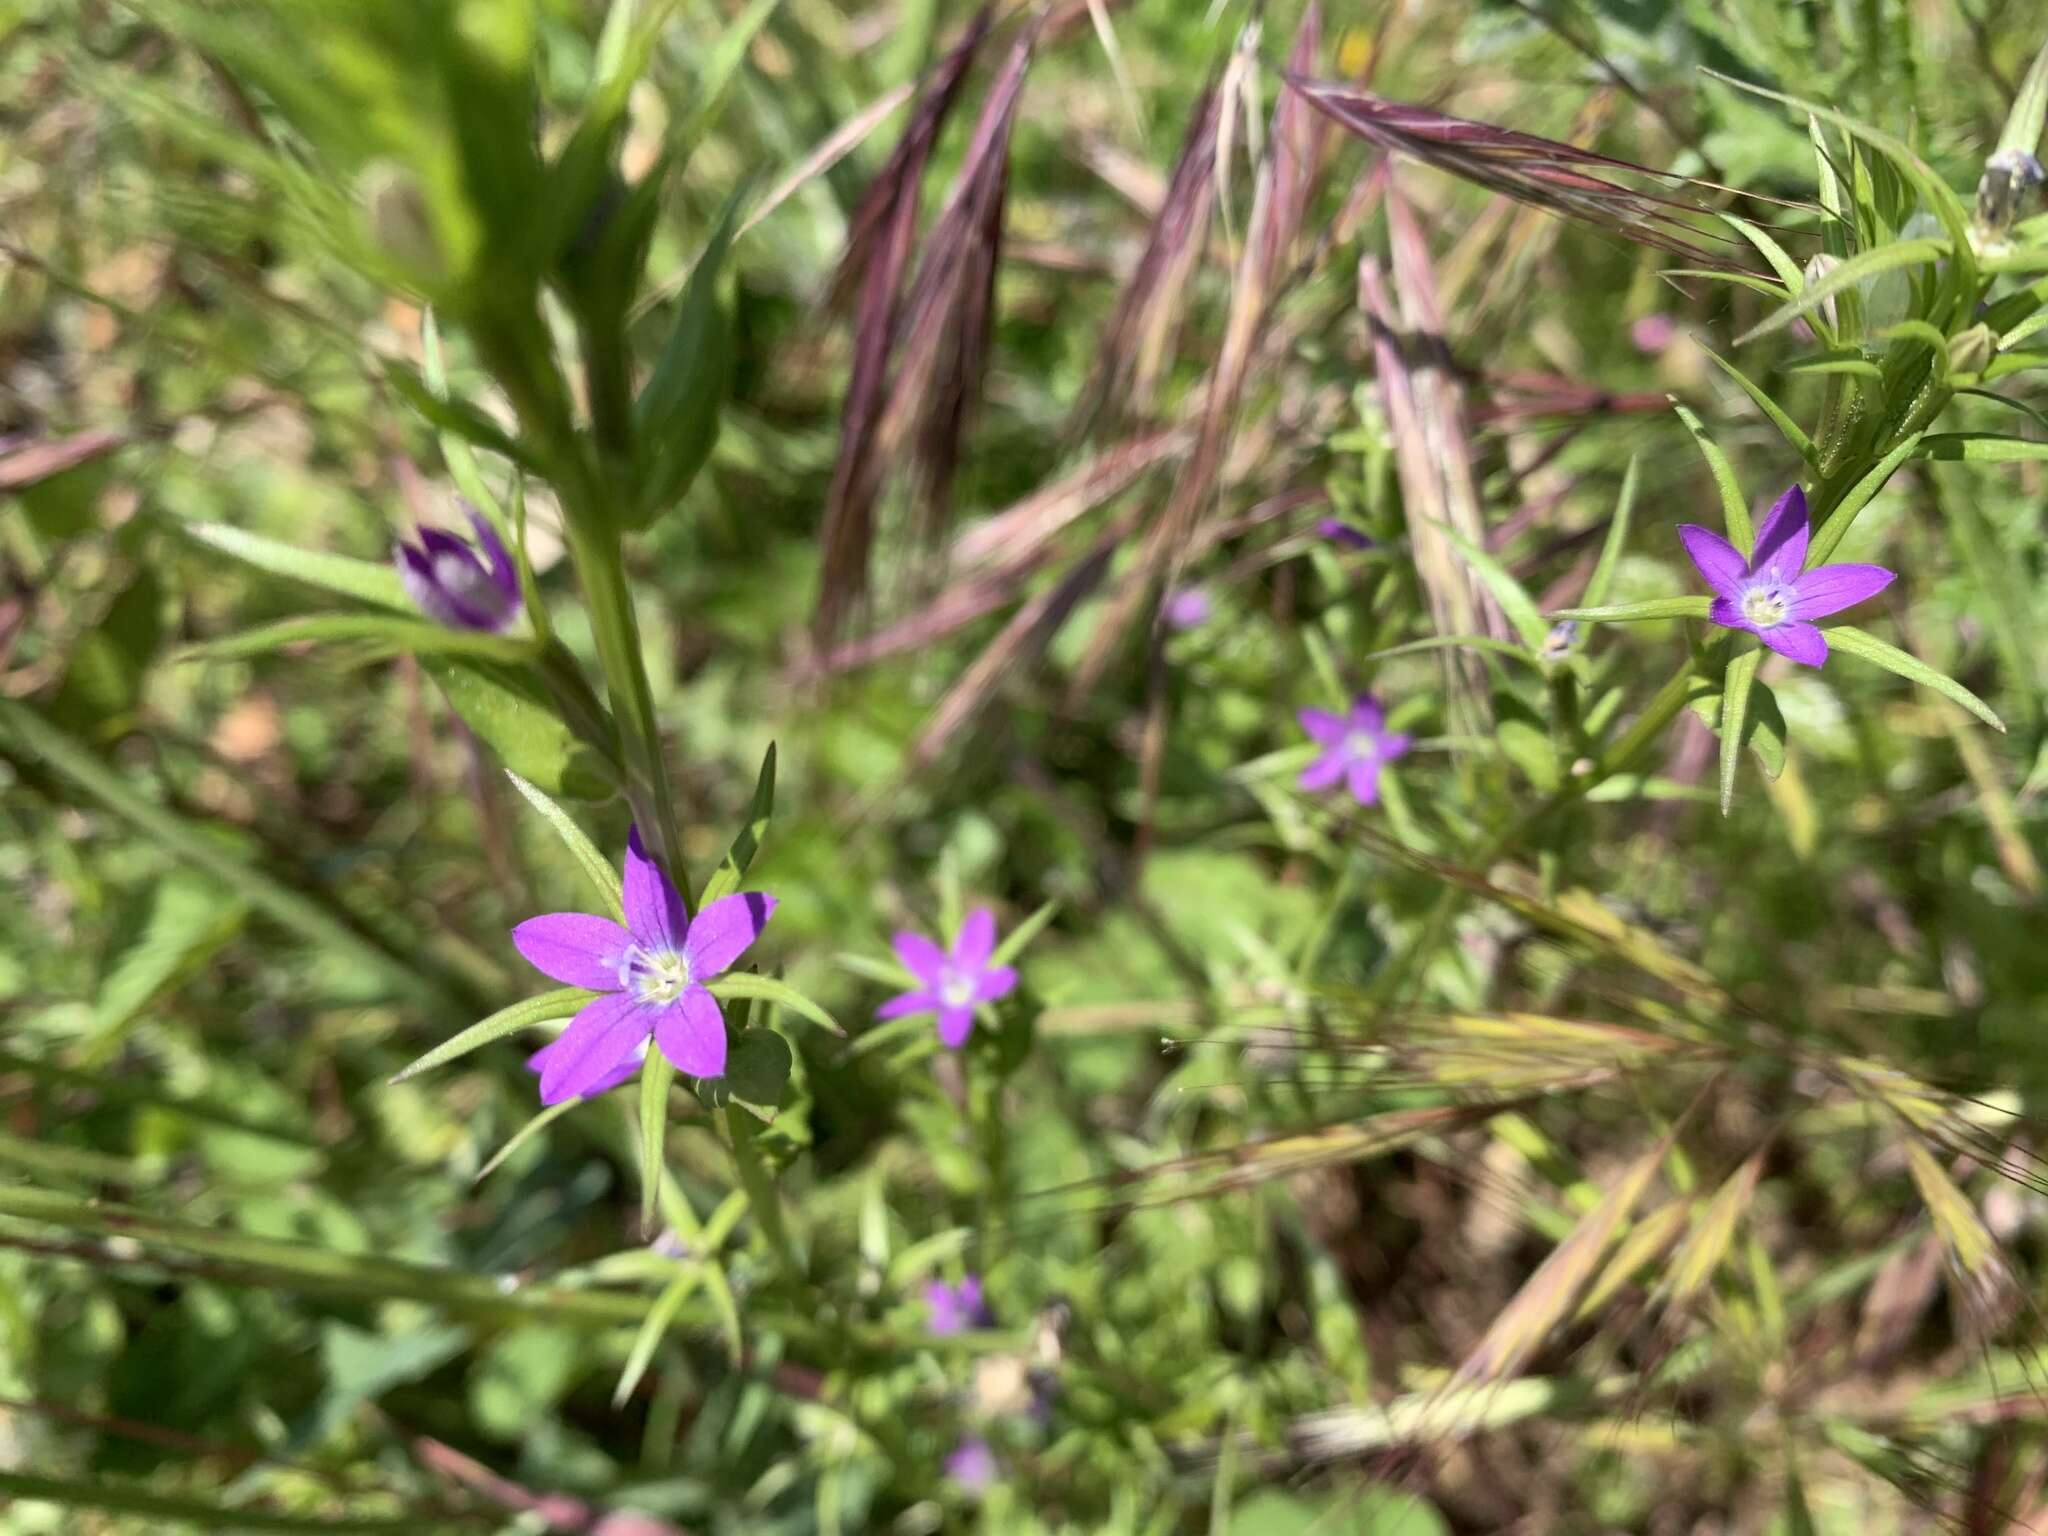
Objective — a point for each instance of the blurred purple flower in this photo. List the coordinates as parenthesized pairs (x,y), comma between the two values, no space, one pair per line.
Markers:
(1769,594)
(972,1464)
(627,1069)
(950,985)
(1653,333)
(956,1308)
(652,972)
(1189,608)
(1337,531)
(1354,747)
(449,583)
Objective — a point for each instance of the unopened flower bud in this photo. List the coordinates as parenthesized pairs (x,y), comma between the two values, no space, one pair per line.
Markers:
(1972,350)
(2010,176)
(400,221)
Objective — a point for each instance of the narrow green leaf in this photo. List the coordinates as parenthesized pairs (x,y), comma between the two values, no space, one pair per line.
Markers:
(655,1076)
(744,984)
(1788,429)
(2022,131)
(1846,637)
(1456,642)
(1981,448)
(373,634)
(676,416)
(1733,508)
(603,877)
(524,1014)
(733,869)
(1787,269)
(455,449)
(1519,607)
(115,1498)
(458,419)
(1857,269)
(513,716)
(1861,494)
(1021,935)
(368,581)
(1617,538)
(659,1317)
(1734,715)
(718,66)
(1650,608)
(523,1135)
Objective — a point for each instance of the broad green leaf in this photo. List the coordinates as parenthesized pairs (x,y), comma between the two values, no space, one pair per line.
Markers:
(1846,637)
(604,877)
(744,984)
(1651,608)
(675,420)
(1617,538)
(368,581)
(512,716)
(759,1067)
(733,868)
(1734,510)
(1861,494)
(527,1013)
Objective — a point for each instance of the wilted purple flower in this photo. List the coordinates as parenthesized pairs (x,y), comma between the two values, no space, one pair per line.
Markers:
(1189,608)
(1653,333)
(1354,747)
(950,985)
(1337,531)
(956,1308)
(1769,594)
(972,1464)
(627,1069)
(1559,643)
(652,972)
(452,586)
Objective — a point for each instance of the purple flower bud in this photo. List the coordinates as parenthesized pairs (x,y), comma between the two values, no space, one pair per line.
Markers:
(451,585)
(1339,532)
(1189,608)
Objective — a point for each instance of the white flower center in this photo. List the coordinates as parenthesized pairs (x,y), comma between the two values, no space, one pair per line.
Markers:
(461,576)
(956,988)
(654,976)
(1768,603)
(1361,746)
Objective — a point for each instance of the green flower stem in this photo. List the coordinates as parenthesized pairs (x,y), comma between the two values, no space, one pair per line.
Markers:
(1649,725)
(763,1198)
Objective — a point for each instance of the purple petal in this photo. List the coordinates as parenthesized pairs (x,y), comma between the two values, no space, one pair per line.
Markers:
(1831,588)
(1322,725)
(1802,642)
(574,948)
(1337,531)
(955,1024)
(1324,771)
(598,1040)
(906,1003)
(504,573)
(1366,714)
(691,1033)
(721,933)
(1365,781)
(1394,744)
(997,981)
(416,575)
(654,911)
(1717,560)
(972,1465)
(1725,612)
(627,1069)
(976,940)
(1781,541)
(921,957)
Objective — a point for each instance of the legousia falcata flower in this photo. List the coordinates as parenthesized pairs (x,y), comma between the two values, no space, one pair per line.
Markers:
(451,585)
(1355,745)
(1769,594)
(956,1308)
(951,984)
(652,972)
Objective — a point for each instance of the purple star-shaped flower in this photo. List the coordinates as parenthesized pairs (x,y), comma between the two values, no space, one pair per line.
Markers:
(449,583)
(971,1464)
(1769,594)
(652,972)
(956,1308)
(1189,608)
(1354,748)
(950,985)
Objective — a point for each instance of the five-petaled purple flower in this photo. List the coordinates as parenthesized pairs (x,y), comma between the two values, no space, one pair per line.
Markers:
(1769,594)
(652,972)
(950,985)
(1354,746)
(956,1308)
(1189,608)
(449,583)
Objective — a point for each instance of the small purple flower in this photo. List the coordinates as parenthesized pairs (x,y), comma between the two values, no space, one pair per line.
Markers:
(451,585)
(972,1464)
(950,985)
(1769,594)
(652,972)
(1653,333)
(627,1069)
(1354,747)
(1189,608)
(956,1308)
(1337,531)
